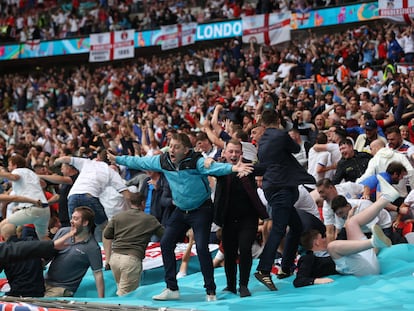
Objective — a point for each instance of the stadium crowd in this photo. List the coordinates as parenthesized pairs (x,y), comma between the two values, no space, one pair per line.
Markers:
(332,92)
(47,20)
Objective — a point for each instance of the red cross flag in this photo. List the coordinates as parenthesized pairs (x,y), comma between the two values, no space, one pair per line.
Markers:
(398,10)
(111,45)
(269,29)
(174,36)
(32,45)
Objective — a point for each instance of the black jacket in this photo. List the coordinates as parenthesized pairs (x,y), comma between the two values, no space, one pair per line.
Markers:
(25,277)
(24,250)
(353,168)
(222,197)
(277,162)
(311,267)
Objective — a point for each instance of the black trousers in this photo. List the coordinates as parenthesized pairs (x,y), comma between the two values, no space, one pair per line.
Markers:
(238,237)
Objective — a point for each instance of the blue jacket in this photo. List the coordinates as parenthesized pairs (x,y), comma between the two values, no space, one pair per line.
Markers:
(188,182)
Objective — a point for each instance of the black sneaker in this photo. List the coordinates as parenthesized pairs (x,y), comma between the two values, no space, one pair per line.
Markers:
(230,289)
(266,279)
(244,291)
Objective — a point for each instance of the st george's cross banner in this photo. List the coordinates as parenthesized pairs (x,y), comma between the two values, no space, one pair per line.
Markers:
(174,36)
(111,46)
(397,10)
(267,29)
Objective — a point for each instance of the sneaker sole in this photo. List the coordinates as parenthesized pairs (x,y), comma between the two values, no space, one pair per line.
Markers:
(269,286)
(164,299)
(377,231)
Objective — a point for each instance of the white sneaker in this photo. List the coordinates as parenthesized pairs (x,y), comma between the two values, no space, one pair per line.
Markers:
(211,298)
(167,294)
(388,192)
(379,239)
(180,275)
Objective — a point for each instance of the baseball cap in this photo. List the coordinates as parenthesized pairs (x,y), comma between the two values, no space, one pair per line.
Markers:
(370,124)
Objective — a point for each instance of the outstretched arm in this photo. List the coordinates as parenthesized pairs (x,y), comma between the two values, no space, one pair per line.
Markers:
(243,169)
(32,249)
(65,159)
(57,179)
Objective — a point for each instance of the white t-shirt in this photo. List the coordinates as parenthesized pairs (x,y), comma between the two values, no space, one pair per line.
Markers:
(383,219)
(316,158)
(94,177)
(112,201)
(333,149)
(27,185)
(306,203)
(349,190)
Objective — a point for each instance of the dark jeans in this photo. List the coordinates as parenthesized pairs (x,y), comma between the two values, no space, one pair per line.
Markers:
(200,221)
(76,200)
(283,214)
(238,237)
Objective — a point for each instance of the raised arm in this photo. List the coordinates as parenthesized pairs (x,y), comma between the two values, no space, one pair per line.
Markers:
(64,159)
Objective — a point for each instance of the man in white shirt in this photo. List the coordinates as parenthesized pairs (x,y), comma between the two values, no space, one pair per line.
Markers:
(319,163)
(341,207)
(94,177)
(26,183)
(328,191)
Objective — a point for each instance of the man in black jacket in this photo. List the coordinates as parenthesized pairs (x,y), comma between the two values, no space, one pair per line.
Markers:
(316,264)
(31,249)
(26,277)
(282,174)
(237,208)
(352,164)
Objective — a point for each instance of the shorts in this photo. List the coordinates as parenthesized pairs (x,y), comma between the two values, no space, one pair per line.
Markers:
(362,263)
(38,216)
(127,271)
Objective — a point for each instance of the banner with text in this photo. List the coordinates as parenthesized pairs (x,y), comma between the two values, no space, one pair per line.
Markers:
(112,46)
(174,36)
(398,10)
(266,28)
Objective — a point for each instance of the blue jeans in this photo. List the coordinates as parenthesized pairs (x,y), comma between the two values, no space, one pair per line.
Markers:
(179,222)
(283,214)
(85,199)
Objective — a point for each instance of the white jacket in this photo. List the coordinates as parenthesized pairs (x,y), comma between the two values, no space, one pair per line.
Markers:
(379,164)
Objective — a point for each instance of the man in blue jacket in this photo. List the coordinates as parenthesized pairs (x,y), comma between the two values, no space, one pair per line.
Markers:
(282,174)
(187,174)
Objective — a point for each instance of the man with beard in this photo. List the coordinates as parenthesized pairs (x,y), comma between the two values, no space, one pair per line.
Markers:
(70,265)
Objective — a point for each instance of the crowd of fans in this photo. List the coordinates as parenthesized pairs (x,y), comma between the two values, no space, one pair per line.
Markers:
(178,89)
(46,20)
(352,82)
